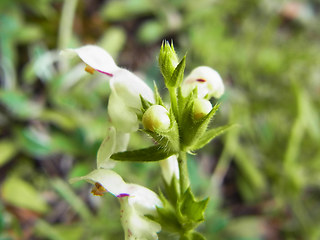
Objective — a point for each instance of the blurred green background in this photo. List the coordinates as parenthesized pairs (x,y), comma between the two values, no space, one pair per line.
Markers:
(263,178)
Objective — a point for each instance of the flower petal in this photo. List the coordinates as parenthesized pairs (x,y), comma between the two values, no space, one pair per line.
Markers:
(106,149)
(114,142)
(207,80)
(143,199)
(136,201)
(170,168)
(129,87)
(121,116)
(97,58)
(136,225)
(108,179)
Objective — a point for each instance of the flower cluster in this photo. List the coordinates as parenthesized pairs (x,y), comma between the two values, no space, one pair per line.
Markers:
(180,129)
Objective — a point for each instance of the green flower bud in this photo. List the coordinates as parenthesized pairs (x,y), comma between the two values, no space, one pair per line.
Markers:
(156,118)
(168,61)
(201,108)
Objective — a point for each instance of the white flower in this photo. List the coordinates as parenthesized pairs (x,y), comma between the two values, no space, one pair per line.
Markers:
(170,168)
(114,142)
(207,80)
(126,87)
(136,202)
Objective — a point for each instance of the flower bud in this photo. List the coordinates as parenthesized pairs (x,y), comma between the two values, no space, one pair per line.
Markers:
(207,80)
(201,107)
(168,61)
(156,118)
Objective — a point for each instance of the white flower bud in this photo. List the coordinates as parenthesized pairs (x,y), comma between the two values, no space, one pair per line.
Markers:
(156,118)
(201,107)
(207,80)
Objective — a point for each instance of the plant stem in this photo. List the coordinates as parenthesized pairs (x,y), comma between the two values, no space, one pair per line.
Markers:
(65,27)
(183,172)
(66,23)
(174,104)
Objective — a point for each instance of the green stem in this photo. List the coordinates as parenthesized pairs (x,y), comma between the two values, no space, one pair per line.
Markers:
(183,172)
(66,23)
(174,104)
(65,28)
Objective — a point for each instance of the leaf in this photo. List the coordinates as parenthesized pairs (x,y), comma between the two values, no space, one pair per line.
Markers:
(19,104)
(193,236)
(154,153)
(191,210)
(67,193)
(19,193)
(172,190)
(197,236)
(210,135)
(167,216)
(7,151)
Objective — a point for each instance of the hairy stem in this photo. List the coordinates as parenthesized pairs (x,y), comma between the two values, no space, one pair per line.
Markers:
(183,172)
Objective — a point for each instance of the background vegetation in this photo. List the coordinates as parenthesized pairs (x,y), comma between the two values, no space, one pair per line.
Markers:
(263,178)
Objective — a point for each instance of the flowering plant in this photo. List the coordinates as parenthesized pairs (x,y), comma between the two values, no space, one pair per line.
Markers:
(177,130)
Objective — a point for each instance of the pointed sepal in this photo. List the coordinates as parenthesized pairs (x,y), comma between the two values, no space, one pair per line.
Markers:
(209,135)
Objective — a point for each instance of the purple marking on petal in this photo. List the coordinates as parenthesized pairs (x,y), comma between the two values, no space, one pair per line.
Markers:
(123,195)
(201,80)
(109,74)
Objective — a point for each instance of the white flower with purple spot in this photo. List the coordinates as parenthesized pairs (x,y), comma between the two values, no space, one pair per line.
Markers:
(126,87)
(136,202)
(207,80)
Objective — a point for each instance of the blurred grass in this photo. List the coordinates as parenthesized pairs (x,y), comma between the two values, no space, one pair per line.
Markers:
(263,175)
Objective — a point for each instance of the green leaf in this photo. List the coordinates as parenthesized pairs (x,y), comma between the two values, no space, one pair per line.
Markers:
(210,135)
(7,151)
(193,236)
(67,193)
(167,216)
(172,190)
(154,153)
(19,193)
(197,236)
(192,210)
(19,104)
(177,75)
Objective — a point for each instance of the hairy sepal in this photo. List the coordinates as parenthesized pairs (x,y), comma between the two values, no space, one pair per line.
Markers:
(192,130)
(209,135)
(169,139)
